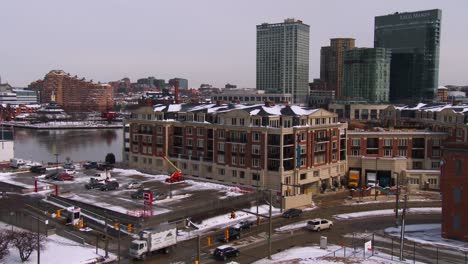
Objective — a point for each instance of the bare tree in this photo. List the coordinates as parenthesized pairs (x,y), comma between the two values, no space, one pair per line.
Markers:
(4,241)
(25,242)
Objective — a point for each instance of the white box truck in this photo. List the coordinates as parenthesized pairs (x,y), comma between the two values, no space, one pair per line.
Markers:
(152,240)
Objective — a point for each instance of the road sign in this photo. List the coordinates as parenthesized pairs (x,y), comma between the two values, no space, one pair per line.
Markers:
(148,197)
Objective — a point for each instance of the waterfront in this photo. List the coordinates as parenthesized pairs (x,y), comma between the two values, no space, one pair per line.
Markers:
(77,144)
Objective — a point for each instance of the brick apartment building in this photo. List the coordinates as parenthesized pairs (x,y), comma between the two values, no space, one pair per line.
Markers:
(454,187)
(272,146)
(74,94)
(413,155)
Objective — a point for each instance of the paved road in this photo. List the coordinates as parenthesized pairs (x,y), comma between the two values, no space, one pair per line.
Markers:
(253,244)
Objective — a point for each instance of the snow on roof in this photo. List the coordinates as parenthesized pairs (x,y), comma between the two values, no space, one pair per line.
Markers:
(158,108)
(302,111)
(273,110)
(254,112)
(174,107)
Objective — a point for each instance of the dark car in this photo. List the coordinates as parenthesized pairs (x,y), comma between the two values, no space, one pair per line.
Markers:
(104,166)
(244,224)
(159,196)
(90,165)
(233,235)
(94,184)
(37,169)
(51,175)
(292,213)
(139,194)
(110,186)
(63,177)
(224,252)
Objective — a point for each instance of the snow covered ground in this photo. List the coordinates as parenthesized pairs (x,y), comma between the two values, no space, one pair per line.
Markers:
(428,234)
(306,255)
(421,210)
(224,221)
(58,250)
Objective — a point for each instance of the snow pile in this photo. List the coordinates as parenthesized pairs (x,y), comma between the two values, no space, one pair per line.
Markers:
(310,255)
(224,221)
(427,234)
(7,178)
(421,210)
(58,250)
(291,227)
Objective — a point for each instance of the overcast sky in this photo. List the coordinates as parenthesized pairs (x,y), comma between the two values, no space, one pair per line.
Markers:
(205,41)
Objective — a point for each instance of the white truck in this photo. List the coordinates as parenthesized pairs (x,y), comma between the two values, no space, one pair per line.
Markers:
(101,176)
(371,179)
(152,240)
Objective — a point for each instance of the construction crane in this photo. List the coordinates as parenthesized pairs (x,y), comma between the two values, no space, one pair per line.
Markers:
(175,176)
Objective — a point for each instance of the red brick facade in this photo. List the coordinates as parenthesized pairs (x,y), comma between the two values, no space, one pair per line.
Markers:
(454,188)
(74,94)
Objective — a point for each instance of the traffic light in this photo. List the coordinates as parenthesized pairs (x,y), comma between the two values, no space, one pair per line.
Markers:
(116,226)
(226,234)
(258,220)
(233,215)
(129,228)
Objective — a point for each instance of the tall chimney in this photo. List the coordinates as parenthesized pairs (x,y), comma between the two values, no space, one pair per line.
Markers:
(176,92)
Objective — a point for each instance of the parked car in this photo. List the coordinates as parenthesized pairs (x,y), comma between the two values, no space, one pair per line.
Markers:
(69,171)
(225,251)
(233,235)
(139,194)
(68,166)
(51,175)
(292,213)
(90,165)
(110,186)
(244,224)
(159,196)
(37,169)
(93,184)
(64,177)
(134,185)
(319,224)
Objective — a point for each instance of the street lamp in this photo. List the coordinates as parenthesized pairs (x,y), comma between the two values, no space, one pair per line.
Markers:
(397,198)
(56,160)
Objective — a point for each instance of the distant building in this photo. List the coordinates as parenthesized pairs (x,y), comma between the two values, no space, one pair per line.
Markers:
(230,86)
(318,84)
(251,96)
(357,111)
(454,188)
(283,59)
(442,94)
(321,98)
(183,83)
(74,94)
(17,96)
(414,39)
(366,74)
(331,63)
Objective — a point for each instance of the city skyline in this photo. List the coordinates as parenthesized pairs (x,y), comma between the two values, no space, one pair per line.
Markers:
(107,41)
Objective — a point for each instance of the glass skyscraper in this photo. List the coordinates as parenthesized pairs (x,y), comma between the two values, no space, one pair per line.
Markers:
(283,58)
(414,39)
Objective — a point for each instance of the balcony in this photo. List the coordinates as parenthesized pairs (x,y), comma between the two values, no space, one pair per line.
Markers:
(322,139)
(237,140)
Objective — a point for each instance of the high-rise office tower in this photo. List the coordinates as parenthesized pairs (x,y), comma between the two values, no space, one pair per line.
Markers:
(331,63)
(366,74)
(414,39)
(283,58)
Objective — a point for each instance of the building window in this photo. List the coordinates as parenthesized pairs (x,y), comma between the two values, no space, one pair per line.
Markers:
(435,164)
(387,142)
(220,146)
(221,158)
(234,148)
(432,181)
(414,181)
(200,143)
(242,161)
(221,133)
(189,142)
(303,176)
(255,163)
(458,167)
(334,144)
(234,173)
(241,148)
(159,130)
(200,131)
(333,156)
(195,167)
(221,171)
(436,142)
(234,121)
(135,148)
(135,159)
(387,152)
(256,149)
(356,142)
(457,195)
(233,160)
(355,152)
(316,173)
(417,165)
(435,153)
(188,130)
(403,142)
(255,177)
(456,222)
(135,138)
(256,136)
(242,122)
(402,152)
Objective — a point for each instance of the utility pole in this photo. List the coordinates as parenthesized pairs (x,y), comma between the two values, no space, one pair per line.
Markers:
(56,161)
(38,244)
(270,226)
(118,248)
(402,231)
(397,198)
(198,249)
